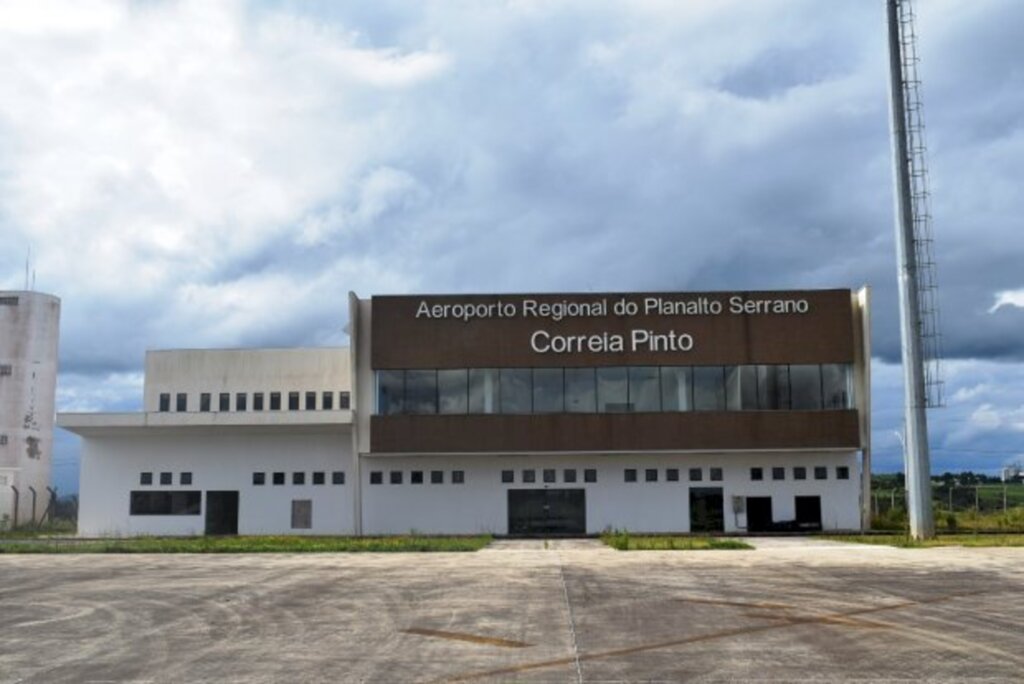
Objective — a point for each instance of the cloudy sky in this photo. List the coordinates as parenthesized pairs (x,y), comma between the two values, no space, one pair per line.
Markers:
(193,174)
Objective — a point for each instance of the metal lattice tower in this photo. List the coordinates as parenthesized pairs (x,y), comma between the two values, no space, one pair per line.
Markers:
(929,330)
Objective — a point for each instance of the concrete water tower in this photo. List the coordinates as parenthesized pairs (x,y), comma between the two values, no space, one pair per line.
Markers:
(29,330)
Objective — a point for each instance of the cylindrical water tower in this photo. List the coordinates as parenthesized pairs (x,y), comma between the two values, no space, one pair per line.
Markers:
(29,332)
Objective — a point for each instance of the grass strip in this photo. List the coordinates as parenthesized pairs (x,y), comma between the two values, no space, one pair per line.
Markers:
(626,542)
(905,542)
(249,544)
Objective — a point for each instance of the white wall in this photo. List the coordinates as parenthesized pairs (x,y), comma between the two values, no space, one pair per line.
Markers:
(218,460)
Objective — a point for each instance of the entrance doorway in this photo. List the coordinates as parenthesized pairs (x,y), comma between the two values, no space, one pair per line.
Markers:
(221,512)
(759,513)
(808,512)
(547,512)
(707,513)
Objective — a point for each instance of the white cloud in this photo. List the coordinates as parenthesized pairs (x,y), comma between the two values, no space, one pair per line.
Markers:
(1008,298)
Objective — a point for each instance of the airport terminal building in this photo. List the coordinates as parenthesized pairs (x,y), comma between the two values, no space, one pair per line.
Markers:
(506,414)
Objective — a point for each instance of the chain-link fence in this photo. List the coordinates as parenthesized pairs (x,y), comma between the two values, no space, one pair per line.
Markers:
(983,506)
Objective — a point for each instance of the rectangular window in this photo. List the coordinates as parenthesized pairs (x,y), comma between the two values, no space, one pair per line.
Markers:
(395,477)
(820,473)
(241,401)
(580,390)
(299,478)
(741,388)
(224,401)
(3,440)
(302,514)
(696,474)
(311,401)
(146,478)
(651,475)
(483,390)
(778,473)
(257,401)
(376,477)
(458,477)
(344,400)
(590,475)
(420,391)
(805,387)
(799,473)
(338,477)
(293,401)
(549,475)
(773,388)
(165,402)
(416,477)
(516,390)
(278,478)
(259,479)
(185,479)
(756,474)
(644,388)
(612,390)
(709,388)
(529,476)
(842,473)
(716,474)
(327,401)
(548,390)
(453,391)
(181,402)
(508,476)
(6,369)
(837,386)
(672,474)
(436,477)
(8,301)
(676,388)
(630,475)
(275,401)
(165,503)
(204,402)
(166,479)
(569,475)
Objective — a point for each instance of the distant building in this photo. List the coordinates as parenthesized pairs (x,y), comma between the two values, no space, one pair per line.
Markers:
(29,332)
(1013,473)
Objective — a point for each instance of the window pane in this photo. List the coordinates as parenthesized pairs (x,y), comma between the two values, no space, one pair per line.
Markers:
(644,388)
(676,386)
(580,390)
(165,402)
(612,390)
(293,401)
(515,390)
(773,387)
(327,401)
(452,391)
(310,401)
(805,385)
(421,391)
(483,390)
(390,388)
(224,403)
(741,387)
(836,383)
(708,388)
(547,390)
(240,401)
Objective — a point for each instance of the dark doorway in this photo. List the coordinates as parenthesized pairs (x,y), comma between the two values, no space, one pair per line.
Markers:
(759,513)
(547,512)
(808,512)
(707,510)
(221,512)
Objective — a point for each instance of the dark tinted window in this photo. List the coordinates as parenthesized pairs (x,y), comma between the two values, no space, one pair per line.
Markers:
(508,476)
(458,477)
(395,477)
(549,474)
(820,473)
(651,475)
(166,478)
(240,401)
(672,474)
(376,477)
(310,401)
(185,479)
(181,402)
(319,478)
(327,401)
(275,401)
(580,390)
(338,477)
(416,477)
(590,475)
(298,478)
(257,401)
(757,474)
(529,476)
(630,475)
(165,402)
(709,388)
(842,473)
(420,391)
(696,474)
(343,400)
(146,478)
(805,387)
(778,473)
(436,477)
(278,478)
(165,503)
(716,474)
(293,401)
(224,401)
(569,475)
(259,479)
(204,401)
(516,390)
(799,473)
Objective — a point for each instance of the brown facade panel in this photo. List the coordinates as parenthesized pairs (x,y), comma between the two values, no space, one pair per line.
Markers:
(615,432)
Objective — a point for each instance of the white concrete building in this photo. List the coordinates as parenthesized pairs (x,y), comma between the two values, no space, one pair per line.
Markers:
(512,414)
(29,333)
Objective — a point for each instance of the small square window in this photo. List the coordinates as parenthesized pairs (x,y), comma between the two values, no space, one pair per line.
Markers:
(458,477)
(590,475)
(630,475)
(569,475)
(820,473)
(204,402)
(757,474)
(651,475)
(376,477)
(293,401)
(298,478)
(224,401)
(529,476)
(319,478)
(672,474)
(508,476)
(146,479)
(181,402)
(716,474)
(395,477)
(343,400)
(778,473)
(696,474)
(259,479)
(799,473)
(257,401)
(240,401)
(549,474)
(165,402)
(338,477)
(327,401)
(416,477)
(842,473)
(275,401)
(311,401)
(278,478)
(436,477)
(185,479)
(166,478)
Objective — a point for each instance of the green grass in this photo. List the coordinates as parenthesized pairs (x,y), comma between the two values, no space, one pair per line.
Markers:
(623,541)
(903,541)
(67,528)
(255,544)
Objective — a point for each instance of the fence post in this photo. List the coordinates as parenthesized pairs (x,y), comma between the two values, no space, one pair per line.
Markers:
(977,500)
(950,498)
